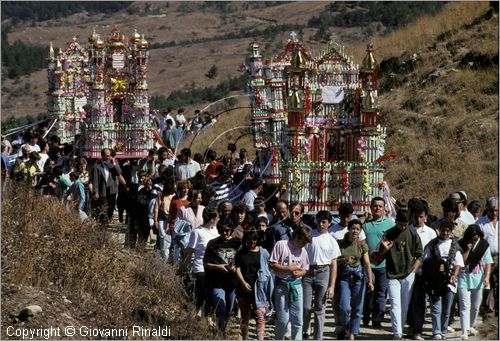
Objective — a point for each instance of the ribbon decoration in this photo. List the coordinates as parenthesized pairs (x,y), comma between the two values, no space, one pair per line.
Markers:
(345,186)
(308,102)
(387,157)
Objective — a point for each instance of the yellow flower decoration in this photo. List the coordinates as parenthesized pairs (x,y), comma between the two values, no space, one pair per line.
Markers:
(118,84)
(366,181)
(297,184)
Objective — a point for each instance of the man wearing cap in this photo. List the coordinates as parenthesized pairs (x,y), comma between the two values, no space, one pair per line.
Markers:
(403,253)
(461,200)
(489,225)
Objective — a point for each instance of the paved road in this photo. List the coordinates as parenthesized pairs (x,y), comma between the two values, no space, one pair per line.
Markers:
(366,333)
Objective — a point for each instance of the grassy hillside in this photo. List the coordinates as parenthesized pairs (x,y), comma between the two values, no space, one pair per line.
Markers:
(81,277)
(439,100)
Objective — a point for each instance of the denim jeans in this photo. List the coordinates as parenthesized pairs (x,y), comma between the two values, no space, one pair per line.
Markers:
(288,311)
(418,303)
(315,281)
(223,303)
(440,309)
(374,304)
(164,240)
(400,294)
(469,301)
(352,289)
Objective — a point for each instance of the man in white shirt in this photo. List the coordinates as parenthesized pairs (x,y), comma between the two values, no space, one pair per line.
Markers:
(323,252)
(255,187)
(418,214)
(186,168)
(339,230)
(461,200)
(44,156)
(32,143)
(166,116)
(180,119)
(489,225)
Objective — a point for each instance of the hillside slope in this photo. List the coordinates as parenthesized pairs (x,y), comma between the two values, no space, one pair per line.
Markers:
(441,108)
(170,68)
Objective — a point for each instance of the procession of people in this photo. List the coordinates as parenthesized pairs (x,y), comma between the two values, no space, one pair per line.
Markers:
(246,250)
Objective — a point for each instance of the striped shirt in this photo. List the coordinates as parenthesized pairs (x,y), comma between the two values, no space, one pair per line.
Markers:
(221,190)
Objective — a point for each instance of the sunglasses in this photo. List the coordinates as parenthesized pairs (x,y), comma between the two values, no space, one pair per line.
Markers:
(295,213)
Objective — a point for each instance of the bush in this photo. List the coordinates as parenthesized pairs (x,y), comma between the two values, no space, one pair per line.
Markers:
(212,72)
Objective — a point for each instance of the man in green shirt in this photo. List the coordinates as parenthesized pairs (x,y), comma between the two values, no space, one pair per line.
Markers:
(374,305)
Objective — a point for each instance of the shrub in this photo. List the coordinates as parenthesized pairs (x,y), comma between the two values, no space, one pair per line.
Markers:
(45,246)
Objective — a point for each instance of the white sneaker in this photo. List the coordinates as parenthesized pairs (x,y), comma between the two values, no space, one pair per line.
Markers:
(465,336)
(450,330)
(437,337)
(473,331)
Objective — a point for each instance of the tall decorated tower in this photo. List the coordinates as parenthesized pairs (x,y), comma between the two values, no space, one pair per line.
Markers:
(118,110)
(322,119)
(68,89)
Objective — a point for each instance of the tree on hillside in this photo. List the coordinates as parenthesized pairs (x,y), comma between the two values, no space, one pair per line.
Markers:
(212,72)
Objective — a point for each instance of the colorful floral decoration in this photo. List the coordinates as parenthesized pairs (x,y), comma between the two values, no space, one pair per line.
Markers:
(322,114)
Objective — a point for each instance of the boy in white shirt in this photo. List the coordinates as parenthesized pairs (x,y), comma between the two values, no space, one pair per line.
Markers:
(323,252)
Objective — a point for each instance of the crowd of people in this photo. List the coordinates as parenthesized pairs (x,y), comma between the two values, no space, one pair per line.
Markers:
(238,243)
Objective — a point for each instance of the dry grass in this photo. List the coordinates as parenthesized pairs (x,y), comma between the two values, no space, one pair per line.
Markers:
(489,329)
(232,126)
(46,248)
(419,34)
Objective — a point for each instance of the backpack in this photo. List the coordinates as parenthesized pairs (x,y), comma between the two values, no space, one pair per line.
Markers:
(436,272)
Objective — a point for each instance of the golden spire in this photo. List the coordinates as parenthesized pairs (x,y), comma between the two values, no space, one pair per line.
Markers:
(370,101)
(93,36)
(369,61)
(51,52)
(297,59)
(295,101)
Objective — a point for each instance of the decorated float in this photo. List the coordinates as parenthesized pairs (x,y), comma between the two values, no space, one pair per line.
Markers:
(316,117)
(102,92)
(68,89)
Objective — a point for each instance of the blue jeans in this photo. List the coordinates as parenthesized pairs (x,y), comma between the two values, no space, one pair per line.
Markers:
(164,240)
(315,281)
(287,311)
(375,301)
(223,302)
(352,290)
(440,308)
